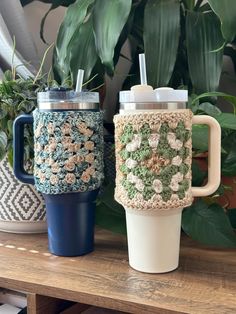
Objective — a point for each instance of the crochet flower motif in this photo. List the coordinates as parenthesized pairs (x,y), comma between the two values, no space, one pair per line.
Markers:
(50,128)
(139,185)
(68,151)
(55,168)
(175,180)
(132,178)
(134,144)
(173,142)
(157,186)
(89,145)
(154,140)
(131,163)
(176,161)
(155,163)
(54,179)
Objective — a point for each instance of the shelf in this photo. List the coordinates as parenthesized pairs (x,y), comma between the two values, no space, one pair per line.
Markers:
(204,283)
(14,298)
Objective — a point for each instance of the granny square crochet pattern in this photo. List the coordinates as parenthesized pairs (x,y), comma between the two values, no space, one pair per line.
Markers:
(153,160)
(68,149)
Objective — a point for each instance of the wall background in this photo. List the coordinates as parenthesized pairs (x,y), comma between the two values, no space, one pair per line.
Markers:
(34,13)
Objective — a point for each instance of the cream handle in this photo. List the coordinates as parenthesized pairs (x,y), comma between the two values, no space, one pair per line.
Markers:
(214,154)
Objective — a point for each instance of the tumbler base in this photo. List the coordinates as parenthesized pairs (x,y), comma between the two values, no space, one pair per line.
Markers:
(70,220)
(153,240)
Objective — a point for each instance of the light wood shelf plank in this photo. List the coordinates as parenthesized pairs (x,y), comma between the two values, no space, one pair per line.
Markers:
(204,283)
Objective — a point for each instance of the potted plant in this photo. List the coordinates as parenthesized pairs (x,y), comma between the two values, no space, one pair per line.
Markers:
(184,42)
(22,208)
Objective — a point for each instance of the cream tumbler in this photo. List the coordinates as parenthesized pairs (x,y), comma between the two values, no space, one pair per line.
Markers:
(153,138)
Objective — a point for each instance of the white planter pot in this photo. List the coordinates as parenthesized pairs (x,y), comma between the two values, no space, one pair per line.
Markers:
(153,240)
(22,208)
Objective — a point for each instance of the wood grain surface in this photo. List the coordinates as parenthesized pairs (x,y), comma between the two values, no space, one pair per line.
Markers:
(205,282)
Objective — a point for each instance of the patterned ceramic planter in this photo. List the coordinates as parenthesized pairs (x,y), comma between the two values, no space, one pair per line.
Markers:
(22,208)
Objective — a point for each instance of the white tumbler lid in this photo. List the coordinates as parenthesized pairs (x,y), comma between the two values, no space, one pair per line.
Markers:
(145,93)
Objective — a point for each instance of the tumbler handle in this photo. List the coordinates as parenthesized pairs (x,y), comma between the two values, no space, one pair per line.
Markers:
(18,148)
(214,159)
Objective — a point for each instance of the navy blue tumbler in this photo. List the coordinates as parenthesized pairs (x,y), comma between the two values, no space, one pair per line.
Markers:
(68,165)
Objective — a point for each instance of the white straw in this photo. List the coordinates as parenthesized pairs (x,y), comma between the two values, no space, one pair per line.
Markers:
(142,69)
(79,81)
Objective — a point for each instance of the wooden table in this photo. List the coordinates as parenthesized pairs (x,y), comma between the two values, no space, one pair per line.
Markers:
(204,283)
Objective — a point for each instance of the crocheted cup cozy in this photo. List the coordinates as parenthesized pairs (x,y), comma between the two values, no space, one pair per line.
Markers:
(68,148)
(153,160)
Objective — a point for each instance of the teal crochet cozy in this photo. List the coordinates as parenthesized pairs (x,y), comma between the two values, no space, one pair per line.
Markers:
(68,149)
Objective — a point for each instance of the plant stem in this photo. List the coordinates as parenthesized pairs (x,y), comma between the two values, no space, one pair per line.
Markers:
(95,88)
(49,78)
(92,78)
(42,63)
(13,69)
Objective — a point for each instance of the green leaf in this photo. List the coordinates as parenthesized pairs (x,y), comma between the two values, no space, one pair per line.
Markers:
(3,124)
(8,77)
(226,120)
(10,127)
(200,137)
(109,20)
(189,4)
(123,36)
(3,144)
(226,11)
(208,225)
(109,220)
(198,175)
(161,38)
(232,216)
(228,167)
(204,8)
(193,106)
(74,17)
(3,112)
(83,53)
(10,156)
(203,41)
(230,98)
(137,26)
(209,109)
(109,214)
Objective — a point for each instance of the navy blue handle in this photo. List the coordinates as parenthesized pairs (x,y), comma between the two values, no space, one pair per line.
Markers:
(18,148)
